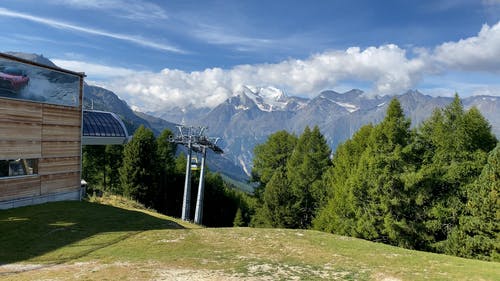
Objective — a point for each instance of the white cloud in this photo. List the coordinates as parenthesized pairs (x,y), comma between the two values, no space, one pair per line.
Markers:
(219,36)
(478,53)
(94,70)
(153,91)
(387,69)
(67,26)
(135,10)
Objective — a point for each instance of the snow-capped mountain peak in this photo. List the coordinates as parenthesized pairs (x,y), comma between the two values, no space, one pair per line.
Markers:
(346,100)
(266,98)
(348,106)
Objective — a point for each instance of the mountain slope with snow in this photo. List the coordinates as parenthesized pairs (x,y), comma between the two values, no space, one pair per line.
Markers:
(270,98)
(252,114)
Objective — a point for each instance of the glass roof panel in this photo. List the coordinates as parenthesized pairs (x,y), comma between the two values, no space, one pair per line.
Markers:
(102,124)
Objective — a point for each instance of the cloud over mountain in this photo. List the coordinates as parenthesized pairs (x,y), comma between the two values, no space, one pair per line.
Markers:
(386,69)
(478,53)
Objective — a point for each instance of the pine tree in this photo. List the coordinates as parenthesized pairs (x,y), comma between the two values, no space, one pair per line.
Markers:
(166,152)
(172,183)
(278,202)
(139,172)
(93,165)
(382,207)
(477,133)
(269,158)
(371,202)
(337,216)
(309,160)
(166,168)
(478,234)
(221,204)
(180,164)
(238,219)
(418,188)
(271,155)
(114,159)
(395,202)
(452,156)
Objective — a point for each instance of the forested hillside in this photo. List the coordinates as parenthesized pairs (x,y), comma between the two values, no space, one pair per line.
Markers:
(147,170)
(433,188)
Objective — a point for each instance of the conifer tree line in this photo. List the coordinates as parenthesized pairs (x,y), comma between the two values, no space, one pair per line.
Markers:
(435,187)
(147,170)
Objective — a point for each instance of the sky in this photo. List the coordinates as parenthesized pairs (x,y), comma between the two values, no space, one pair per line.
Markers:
(159,54)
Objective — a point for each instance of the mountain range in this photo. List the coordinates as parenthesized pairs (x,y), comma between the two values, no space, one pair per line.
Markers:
(253,113)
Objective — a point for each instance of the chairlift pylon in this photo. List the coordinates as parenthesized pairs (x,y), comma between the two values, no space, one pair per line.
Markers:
(195,141)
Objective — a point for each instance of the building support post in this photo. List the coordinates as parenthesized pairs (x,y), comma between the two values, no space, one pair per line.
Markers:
(187,186)
(201,189)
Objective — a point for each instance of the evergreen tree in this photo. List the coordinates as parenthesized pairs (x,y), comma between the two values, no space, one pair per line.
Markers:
(220,205)
(452,154)
(277,210)
(166,152)
(238,219)
(247,205)
(418,189)
(100,165)
(381,200)
(173,188)
(139,172)
(180,164)
(114,159)
(93,165)
(166,168)
(478,235)
(368,198)
(271,155)
(477,133)
(309,160)
(269,158)
(337,216)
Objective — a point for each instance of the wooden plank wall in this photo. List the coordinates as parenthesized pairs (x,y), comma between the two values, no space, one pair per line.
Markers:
(13,188)
(20,129)
(61,148)
(50,133)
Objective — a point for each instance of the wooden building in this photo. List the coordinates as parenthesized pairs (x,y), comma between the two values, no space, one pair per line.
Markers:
(40,133)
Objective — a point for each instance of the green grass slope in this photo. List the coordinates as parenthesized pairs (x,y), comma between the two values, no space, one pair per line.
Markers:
(92,241)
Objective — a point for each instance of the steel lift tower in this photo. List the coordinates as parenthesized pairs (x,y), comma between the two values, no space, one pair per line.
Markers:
(194,139)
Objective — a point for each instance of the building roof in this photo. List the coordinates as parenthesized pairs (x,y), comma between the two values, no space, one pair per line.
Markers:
(101,128)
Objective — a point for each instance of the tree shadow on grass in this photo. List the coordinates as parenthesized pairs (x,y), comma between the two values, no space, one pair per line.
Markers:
(28,233)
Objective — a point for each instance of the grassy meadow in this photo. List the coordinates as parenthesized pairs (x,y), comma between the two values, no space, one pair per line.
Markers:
(115,239)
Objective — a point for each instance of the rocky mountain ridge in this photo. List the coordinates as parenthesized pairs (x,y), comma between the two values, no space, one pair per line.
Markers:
(252,114)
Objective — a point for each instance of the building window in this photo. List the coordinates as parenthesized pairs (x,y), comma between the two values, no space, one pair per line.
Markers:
(24,81)
(19,167)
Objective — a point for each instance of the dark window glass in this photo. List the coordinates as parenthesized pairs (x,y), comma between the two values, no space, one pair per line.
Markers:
(18,167)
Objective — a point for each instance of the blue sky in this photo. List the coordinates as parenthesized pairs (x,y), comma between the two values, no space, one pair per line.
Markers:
(159,54)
